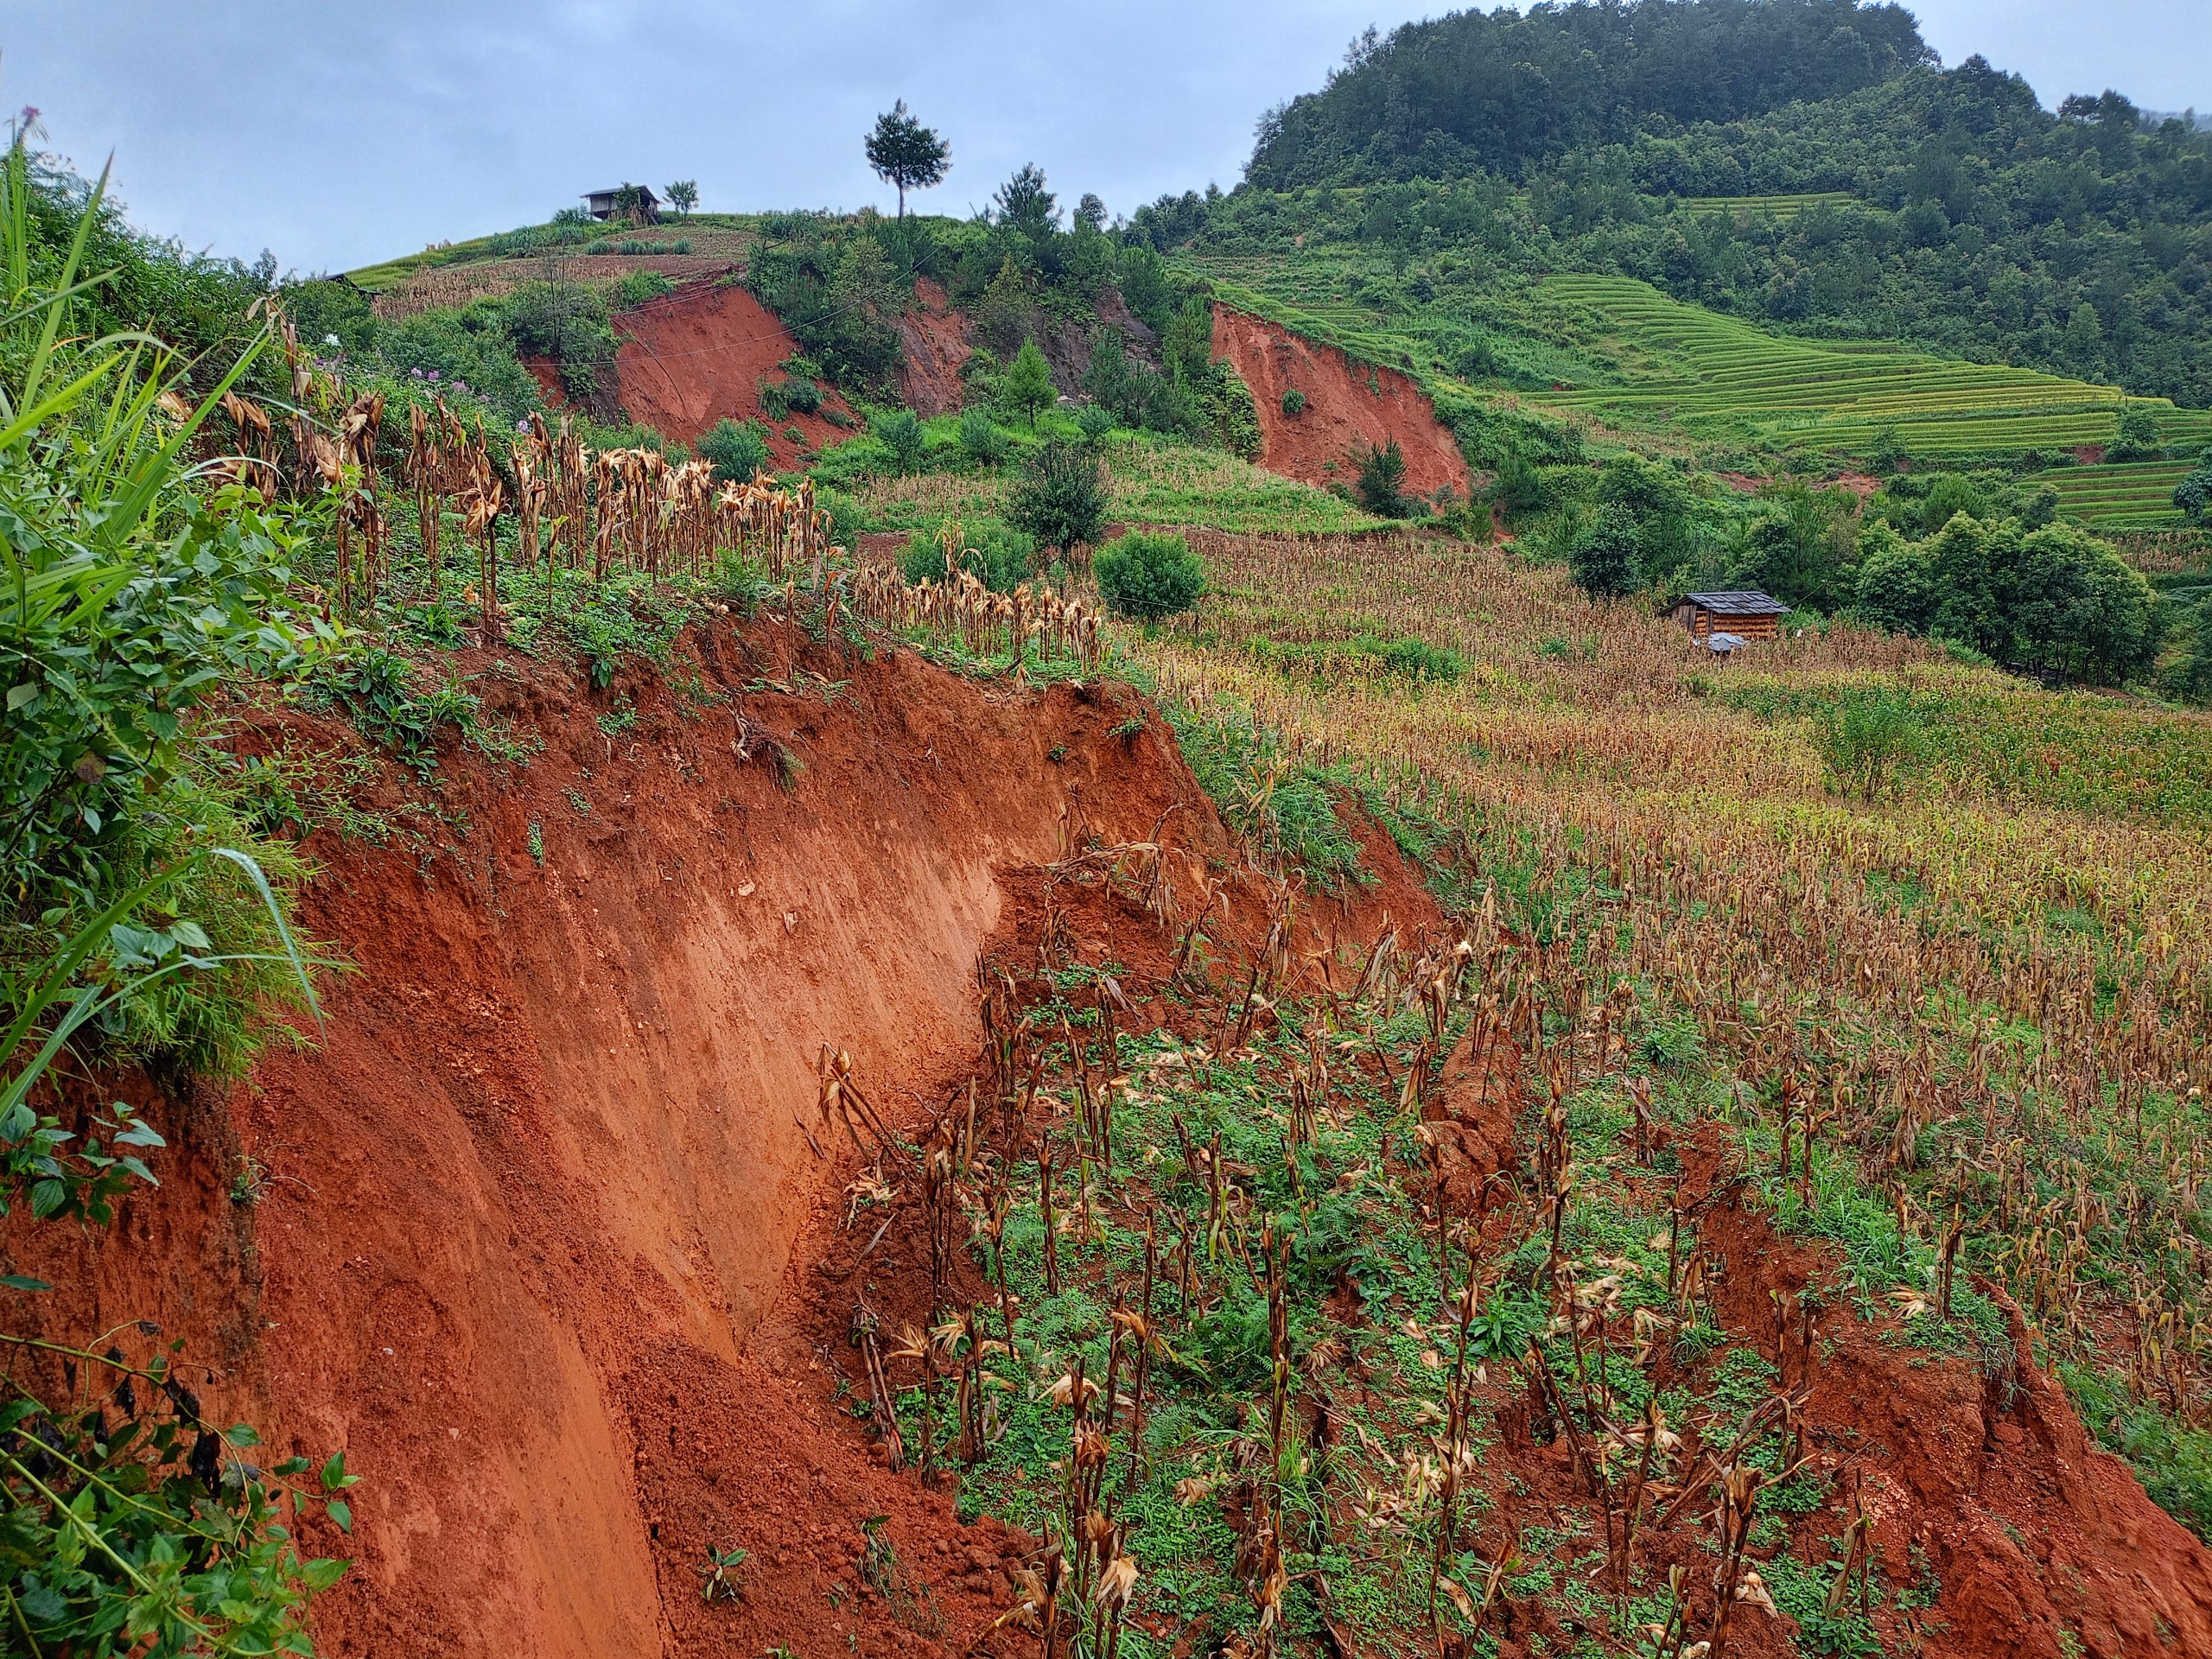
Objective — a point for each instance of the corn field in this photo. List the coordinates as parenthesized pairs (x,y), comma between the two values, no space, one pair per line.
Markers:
(567,506)
(1893,967)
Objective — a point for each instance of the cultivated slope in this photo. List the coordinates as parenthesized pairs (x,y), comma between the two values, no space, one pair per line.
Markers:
(503,1234)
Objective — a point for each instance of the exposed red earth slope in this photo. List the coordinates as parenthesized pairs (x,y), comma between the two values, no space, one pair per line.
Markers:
(540,1239)
(937,338)
(1348,408)
(698,355)
(521,1211)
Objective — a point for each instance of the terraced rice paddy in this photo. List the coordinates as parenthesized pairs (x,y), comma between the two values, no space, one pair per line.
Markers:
(1721,379)
(1776,208)
(2131,496)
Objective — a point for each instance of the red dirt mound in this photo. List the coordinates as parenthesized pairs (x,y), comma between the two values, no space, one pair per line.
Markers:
(935,336)
(1348,408)
(2042,1545)
(506,1234)
(693,357)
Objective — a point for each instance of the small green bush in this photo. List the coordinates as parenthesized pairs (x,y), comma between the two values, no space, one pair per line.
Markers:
(1093,422)
(1294,403)
(899,432)
(792,395)
(847,521)
(1866,737)
(999,556)
(1061,500)
(2138,437)
(738,449)
(642,285)
(980,438)
(1145,575)
(1382,481)
(1416,659)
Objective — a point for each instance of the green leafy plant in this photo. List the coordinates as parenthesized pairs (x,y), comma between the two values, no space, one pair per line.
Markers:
(739,449)
(999,558)
(719,1579)
(1294,403)
(1865,737)
(1382,480)
(900,431)
(1146,575)
(1027,386)
(1061,500)
(792,395)
(640,286)
(981,440)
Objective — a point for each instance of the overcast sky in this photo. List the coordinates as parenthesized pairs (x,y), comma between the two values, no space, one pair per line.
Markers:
(341,134)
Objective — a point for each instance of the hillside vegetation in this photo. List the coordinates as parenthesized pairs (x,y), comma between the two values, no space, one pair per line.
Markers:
(1944,208)
(1404,1104)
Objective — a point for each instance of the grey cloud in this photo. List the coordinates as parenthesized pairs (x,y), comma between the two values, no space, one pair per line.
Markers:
(339,134)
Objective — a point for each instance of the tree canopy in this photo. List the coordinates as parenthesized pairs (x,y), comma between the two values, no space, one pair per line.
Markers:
(1499,90)
(905,154)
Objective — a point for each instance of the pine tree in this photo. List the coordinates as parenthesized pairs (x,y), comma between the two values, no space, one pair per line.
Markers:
(906,154)
(1027,385)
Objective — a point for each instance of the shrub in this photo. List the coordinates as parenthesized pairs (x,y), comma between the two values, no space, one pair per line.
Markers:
(642,285)
(2138,437)
(1416,659)
(738,449)
(1519,488)
(899,432)
(844,465)
(1382,481)
(793,395)
(2193,495)
(1093,422)
(1144,575)
(846,518)
(981,440)
(1027,386)
(1603,556)
(1294,403)
(999,556)
(1061,500)
(1865,736)
(566,323)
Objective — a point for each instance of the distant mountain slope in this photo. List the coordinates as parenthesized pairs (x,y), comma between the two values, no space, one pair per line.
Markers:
(1946,209)
(1497,90)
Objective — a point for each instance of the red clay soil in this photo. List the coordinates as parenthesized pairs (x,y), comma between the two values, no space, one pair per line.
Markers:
(1349,409)
(696,356)
(2044,1547)
(516,1220)
(937,338)
(547,1234)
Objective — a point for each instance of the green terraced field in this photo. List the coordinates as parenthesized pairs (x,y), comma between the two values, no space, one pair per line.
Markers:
(1778,207)
(1718,377)
(2134,496)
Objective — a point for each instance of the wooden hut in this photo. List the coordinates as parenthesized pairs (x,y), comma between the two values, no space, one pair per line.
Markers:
(1747,615)
(606,204)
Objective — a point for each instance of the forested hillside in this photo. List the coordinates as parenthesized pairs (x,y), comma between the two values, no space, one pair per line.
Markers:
(1943,208)
(1498,90)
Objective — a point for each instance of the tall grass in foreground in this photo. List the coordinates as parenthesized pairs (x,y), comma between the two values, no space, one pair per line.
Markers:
(128,1523)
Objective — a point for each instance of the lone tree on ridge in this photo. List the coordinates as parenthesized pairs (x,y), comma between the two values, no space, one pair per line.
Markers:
(683,196)
(906,154)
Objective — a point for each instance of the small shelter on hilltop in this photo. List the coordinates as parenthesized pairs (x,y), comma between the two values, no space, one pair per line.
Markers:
(1747,615)
(608,203)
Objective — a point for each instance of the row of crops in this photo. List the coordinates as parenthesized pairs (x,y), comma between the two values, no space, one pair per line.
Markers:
(1721,379)
(1775,207)
(2131,496)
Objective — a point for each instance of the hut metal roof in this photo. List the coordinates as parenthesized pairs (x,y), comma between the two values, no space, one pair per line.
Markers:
(1738,604)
